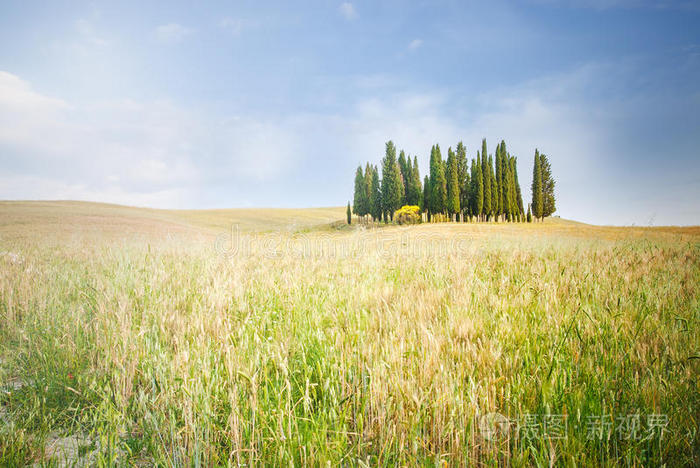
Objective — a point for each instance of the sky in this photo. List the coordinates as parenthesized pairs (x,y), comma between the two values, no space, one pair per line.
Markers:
(274,104)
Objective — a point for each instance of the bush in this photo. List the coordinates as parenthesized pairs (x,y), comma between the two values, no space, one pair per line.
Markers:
(408,214)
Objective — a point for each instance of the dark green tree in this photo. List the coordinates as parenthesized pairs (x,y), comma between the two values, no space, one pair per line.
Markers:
(359,203)
(425,201)
(477,190)
(518,193)
(548,200)
(486,178)
(537,192)
(368,190)
(452,203)
(493,187)
(529,214)
(392,186)
(416,192)
(463,175)
(404,170)
(438,182)
(349,214)
(375,199)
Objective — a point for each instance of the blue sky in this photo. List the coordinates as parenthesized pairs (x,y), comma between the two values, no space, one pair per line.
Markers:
(235,104)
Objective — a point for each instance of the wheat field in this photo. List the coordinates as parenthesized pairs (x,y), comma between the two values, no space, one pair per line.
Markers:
(137,337)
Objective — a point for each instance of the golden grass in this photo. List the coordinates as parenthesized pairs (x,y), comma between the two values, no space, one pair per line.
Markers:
(167,338)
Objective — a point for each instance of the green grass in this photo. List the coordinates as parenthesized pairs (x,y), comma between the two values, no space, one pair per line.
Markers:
(157,349)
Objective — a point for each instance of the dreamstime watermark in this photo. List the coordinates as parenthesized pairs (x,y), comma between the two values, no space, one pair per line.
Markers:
(236,243)
(495,426)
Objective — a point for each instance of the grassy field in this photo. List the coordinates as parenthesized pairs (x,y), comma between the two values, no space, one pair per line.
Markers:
(282,337)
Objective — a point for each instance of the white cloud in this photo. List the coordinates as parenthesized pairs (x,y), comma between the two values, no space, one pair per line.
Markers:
(172,32)
(347,9)
(415,43)
(124,151)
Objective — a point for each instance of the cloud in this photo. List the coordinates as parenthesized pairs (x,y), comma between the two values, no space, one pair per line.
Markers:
(348,11)
(415,43)
(172,32)
(125,151)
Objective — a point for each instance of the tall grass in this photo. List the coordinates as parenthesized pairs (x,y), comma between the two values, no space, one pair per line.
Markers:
(171,353)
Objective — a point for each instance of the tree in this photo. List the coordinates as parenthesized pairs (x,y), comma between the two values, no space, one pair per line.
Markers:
(359,202)
(548,200)
(486,178)
(494,187)
(392,185)
(452,203)
(375,200)
(349,214)
(463,176)
(537,198)
(416,194)
(426,197)
(368,190)
(477,202)
(404,170)
(529,215)
(499,181)
(438,182)
(518,193)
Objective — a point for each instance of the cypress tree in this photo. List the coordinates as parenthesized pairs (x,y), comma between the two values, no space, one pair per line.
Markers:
(477,188)
(349,214)
(518,193)
(529,215)
(511,192)
(438,182)
(367,199)
(375,200)
(548,200)
(358,203)
(537,187)
(425,201)
(408,183)
(463,175)
(403,169)
(493,187)
(392,185)
(486,177)
(416,189)
(452,204)
(441,184)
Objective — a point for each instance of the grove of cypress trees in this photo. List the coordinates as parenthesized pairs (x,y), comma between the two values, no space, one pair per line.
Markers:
(486,189)
(452,204)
